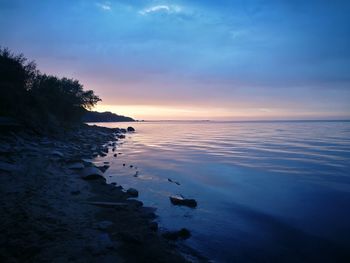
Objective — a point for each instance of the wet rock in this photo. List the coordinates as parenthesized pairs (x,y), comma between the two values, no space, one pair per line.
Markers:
(132,192)
(131,166)
(175,235)
(172,181)
(114,183)
(105,149)
(103,168)
(115,155)
(178,200)
(123,130)
(75,192)
(130,129)
(123,164)
(121,136)
(136,174)
(92,173)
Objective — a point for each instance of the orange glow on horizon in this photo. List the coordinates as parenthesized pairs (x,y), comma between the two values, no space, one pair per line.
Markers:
(162,112)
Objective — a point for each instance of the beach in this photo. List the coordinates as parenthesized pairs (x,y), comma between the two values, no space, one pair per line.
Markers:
(56,206)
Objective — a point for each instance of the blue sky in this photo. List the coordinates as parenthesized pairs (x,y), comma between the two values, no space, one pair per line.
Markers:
(193,59)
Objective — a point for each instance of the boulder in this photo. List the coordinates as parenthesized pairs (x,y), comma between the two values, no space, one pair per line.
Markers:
(132,192)
(178,200)
(130,129)
(92,173)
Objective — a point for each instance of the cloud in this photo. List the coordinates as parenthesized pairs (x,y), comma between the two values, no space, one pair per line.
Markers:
(170,9)
(106,6)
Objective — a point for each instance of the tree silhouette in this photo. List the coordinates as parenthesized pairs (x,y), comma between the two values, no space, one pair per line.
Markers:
(40,100)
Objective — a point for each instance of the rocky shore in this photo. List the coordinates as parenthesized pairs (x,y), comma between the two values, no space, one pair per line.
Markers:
(55,205)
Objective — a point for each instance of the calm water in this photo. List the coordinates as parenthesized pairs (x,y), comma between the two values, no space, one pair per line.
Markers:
(267,191)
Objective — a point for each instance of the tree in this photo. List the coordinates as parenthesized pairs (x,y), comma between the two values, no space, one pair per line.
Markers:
(38,99)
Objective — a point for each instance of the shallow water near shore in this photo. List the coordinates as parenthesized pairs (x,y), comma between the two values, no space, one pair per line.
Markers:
(266,191)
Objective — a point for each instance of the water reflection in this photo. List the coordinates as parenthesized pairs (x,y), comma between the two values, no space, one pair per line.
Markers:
(267,192)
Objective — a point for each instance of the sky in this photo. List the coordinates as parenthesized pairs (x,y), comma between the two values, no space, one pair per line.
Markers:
(199,59)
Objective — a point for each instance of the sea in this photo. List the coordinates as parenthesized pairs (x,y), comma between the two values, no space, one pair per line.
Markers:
(267,191)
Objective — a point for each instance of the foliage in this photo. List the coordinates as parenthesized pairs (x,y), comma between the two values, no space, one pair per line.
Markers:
(40,100)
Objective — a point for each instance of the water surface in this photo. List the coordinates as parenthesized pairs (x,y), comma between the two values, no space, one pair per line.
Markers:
(267,191)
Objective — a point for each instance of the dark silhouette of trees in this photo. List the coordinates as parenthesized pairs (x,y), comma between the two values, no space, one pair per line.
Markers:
(38,100)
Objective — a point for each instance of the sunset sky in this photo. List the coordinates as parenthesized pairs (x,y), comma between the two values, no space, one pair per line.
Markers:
(200,59)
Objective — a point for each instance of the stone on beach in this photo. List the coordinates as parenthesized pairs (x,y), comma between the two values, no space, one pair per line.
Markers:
(103,168)
(92,173)
(178,200)
(130,129)
(132,192)
(172,181)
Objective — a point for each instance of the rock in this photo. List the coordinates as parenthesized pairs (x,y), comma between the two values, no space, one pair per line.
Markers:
(131,166)
(173,181)
(104,225)
(177,200)
(123,164)
(57,154)
(174,235)
(130,129)
(136,174)
(132,192)
(76,166)
(103,168)
(75,192)
(114,183)
(105,149)
(92,173)
(121,136)
(115,155)
(123,130)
